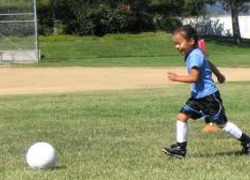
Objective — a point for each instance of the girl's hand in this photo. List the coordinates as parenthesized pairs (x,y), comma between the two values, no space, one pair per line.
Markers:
(172,76)
(221,78)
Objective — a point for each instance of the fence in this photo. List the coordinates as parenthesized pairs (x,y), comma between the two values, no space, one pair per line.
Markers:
(18,31)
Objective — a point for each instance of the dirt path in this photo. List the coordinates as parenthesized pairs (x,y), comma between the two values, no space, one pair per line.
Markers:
(54,80)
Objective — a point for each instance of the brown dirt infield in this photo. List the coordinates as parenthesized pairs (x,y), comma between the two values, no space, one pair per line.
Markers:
(72,79)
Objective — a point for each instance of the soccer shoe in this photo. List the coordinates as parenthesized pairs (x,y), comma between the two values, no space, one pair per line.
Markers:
(210,128)
(246,149)
(176,151)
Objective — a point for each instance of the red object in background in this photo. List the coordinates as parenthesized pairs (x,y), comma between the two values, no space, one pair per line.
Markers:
(201,44)
(210,128)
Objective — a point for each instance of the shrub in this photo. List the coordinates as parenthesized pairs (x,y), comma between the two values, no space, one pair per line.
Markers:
(169,24)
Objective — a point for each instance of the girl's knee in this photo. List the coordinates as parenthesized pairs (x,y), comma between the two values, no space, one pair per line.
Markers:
(182,117)
(221,124)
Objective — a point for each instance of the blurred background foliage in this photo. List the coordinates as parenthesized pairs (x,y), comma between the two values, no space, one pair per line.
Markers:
(100,17)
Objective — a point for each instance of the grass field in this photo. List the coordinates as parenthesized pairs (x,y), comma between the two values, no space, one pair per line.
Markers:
(118,135)
(147,49)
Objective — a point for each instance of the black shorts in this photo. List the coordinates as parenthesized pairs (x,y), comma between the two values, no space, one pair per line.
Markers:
(209,107)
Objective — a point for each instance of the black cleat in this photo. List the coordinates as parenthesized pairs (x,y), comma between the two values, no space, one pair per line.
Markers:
(176,151)
(246,149)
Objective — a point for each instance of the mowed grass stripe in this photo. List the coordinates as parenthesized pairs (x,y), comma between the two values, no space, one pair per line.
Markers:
(146,49)
(119,135)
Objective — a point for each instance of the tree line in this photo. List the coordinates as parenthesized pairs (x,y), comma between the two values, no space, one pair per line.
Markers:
(99,17)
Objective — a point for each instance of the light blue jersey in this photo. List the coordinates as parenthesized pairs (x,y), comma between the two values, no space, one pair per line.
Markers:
(205,85)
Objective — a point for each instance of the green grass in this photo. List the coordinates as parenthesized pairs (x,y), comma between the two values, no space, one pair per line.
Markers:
(119,135)
(147,49)
(112,50)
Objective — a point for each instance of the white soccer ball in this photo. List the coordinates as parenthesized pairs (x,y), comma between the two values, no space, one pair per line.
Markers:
(41,155)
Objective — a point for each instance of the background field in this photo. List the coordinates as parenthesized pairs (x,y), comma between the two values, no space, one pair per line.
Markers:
(147,49)
(117,134)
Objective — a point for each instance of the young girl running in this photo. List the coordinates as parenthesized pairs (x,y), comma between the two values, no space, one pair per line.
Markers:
(205,100)
(210,126)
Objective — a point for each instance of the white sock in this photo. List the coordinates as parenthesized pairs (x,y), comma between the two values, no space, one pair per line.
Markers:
(233,130)
(181,131)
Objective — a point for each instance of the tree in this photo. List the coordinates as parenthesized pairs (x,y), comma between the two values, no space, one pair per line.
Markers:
(236,6)
(99,17)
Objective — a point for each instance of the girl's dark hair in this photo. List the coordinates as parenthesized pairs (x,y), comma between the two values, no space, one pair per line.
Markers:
(187,32)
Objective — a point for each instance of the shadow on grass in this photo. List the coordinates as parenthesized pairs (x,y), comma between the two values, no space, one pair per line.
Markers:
(59,168)
(48,169)
(207,155)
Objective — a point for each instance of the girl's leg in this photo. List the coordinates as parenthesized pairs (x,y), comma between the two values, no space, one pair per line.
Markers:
(237,133)
(182,129)
(232,130)
(179,149)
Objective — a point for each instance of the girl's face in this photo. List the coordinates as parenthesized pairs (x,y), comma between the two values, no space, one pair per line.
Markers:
(183,45)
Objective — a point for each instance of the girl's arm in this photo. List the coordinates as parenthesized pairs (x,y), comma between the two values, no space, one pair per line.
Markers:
(190,78)
(220,77)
